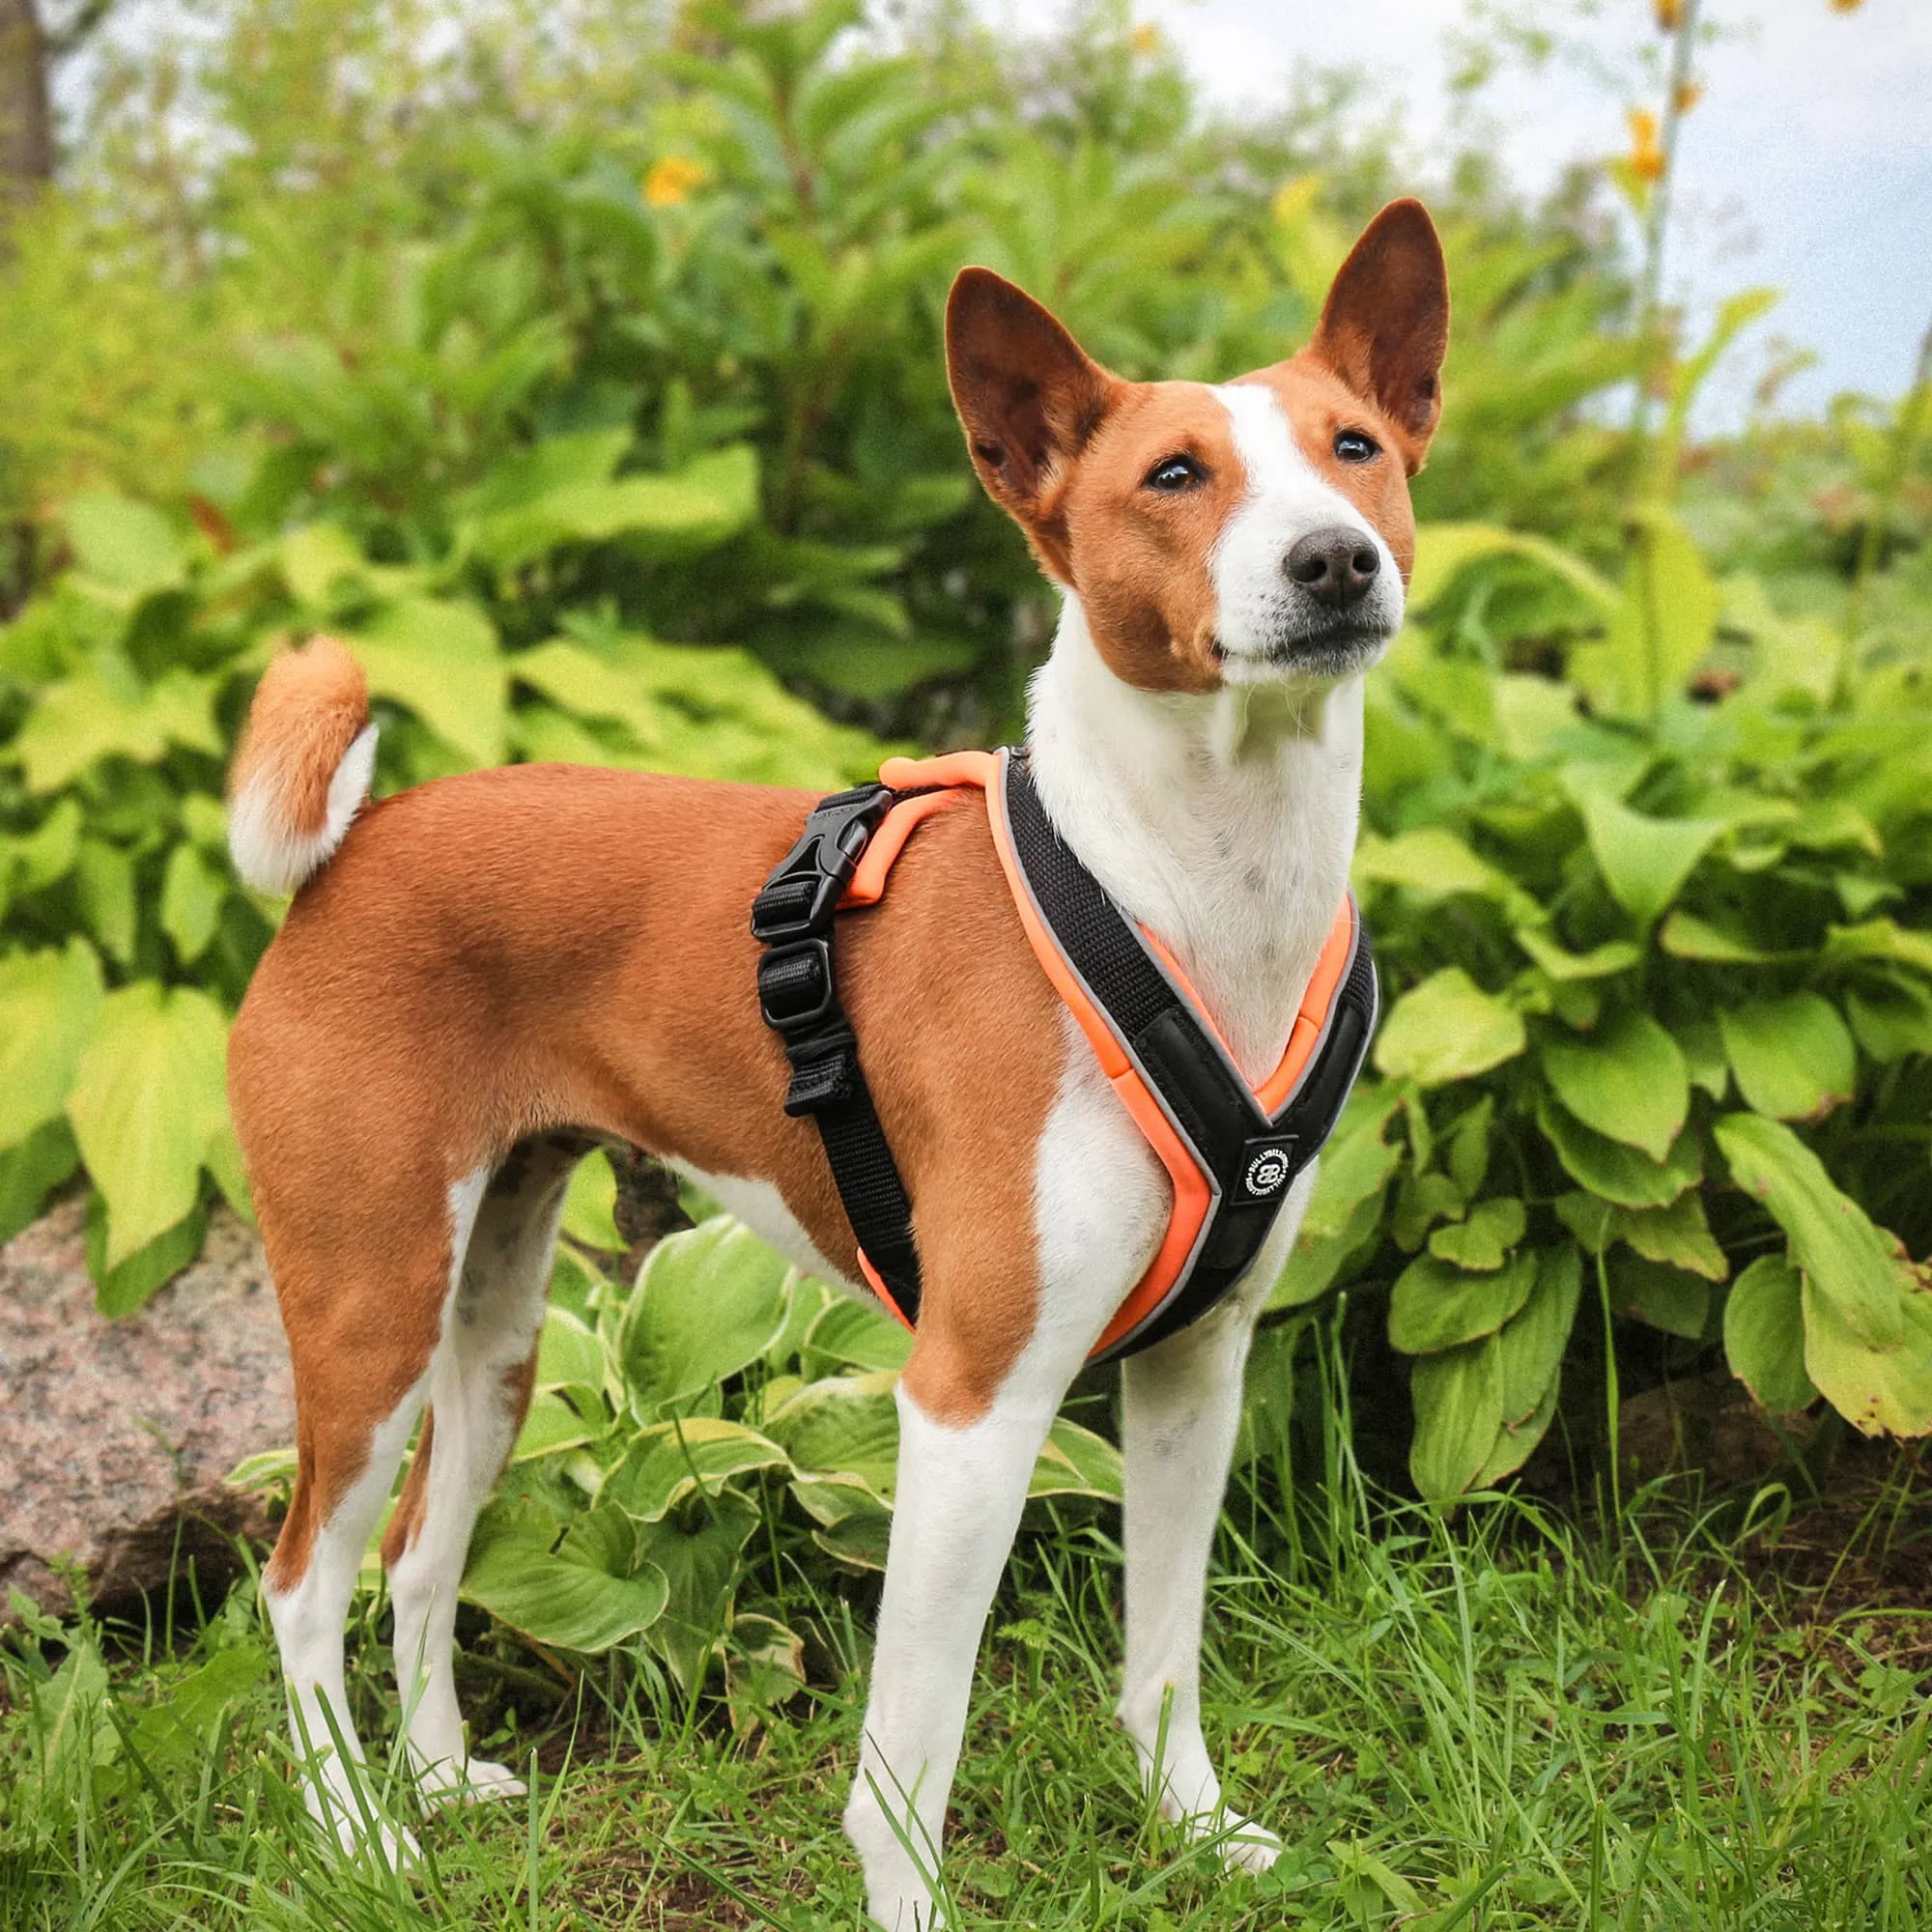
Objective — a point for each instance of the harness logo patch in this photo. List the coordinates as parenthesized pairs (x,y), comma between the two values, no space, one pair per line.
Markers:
(1267,1172)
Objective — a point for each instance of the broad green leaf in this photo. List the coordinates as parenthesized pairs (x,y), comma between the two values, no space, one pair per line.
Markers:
(1615,955)
(1532,1341)
(1793,1056)
(1434,863)
(1355,1164)
(1468,1147)
(699,1548)
(671,1460)
(1516,1441)
(316,561)
(1436,1306)
(558,1597)
(1678,1235)
(1663,1296)
(843,1425)
(149,1094)
(764,1668)
(104,887)
(570,1353)
(1890,1017)
(1459,1414)
(1076,1463)
(122,1288)
(193,890)
(1618,1173)
(1480,1244)
(1318,1259)
(1644,861)
(590,1203)
(1533,713)
(1879,1390)
(102,710)
(1764,1334)
(551,1427)
(1685,936)
(1422,1199)
(439,660)
(46,853)
(1853,1268)
(47,1007)
(1445,1029)
(1662,627)
(1882,939)
(31,1170)
(859,1337)
(1443,550)
(708,1302)
(126,545)
(1629,1083)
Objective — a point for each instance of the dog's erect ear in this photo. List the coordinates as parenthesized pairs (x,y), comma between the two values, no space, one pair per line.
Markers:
(1385,324)
(1029,397)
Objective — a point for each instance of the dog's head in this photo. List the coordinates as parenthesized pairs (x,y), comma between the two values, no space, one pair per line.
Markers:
(1229,534)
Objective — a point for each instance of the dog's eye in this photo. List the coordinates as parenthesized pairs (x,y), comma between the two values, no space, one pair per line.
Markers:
(1173,473)
(1352,446)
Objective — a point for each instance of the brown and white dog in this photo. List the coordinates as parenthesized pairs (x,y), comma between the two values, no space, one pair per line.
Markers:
(480,977)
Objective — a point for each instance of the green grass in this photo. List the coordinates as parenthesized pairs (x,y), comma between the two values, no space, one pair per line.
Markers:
(1502,1722)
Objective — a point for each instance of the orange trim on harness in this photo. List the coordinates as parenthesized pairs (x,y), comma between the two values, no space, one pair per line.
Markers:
(937,781)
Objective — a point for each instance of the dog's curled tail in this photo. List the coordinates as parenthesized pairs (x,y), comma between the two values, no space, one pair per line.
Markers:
(303,768)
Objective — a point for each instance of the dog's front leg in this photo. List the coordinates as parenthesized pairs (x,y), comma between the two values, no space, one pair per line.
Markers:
(961,1487)
(1180,1407)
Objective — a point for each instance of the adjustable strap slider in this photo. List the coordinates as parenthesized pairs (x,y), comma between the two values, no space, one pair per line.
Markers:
(824,1072)
(796,989)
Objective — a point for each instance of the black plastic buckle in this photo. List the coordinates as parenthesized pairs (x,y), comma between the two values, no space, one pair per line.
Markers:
(802,891)
(795,985)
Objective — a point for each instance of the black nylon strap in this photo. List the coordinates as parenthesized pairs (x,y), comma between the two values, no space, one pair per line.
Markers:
(798,995)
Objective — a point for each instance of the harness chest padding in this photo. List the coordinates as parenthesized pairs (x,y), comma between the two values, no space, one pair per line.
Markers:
(1233,1152)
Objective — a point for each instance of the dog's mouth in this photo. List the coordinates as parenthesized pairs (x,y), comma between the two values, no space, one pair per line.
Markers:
(1323,650)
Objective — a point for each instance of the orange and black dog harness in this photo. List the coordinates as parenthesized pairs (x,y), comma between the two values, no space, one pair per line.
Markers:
(1231,1150)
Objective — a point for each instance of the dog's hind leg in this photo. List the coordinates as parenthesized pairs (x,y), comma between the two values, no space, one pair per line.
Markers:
(1179,1408)
(479,1388)
(362,1304)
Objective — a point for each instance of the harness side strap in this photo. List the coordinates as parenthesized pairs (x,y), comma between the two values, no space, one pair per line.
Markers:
(798,998)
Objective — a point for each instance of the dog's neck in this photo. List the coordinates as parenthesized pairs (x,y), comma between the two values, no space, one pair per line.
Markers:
(1223,823)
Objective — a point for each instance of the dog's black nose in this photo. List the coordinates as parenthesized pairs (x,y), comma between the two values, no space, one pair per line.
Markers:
(1335,566)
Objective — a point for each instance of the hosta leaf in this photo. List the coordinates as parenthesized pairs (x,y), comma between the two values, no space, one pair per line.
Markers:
(764,1666)
(1467,1144)
(194,889)
(1631,1084)
(1678,1235)
(1880,939)
(1891,1018)
(1355,1165)
(708,1302)
(843,1425)
(1793,1056)
(1318,1259)
(590,1203)
(570,1353)
(699,1548)
(1459,1414)
(859,1337)
(1615,955)
(1684,936)
(1532,1341)
(1445,1029)
(149,1094)
(1516,1441)
(1434,863)
(1076,1463)
(1644,861)
(674,1460)
(126,545)
(46,853)
(104,888)
(48,1005)
(124,1287)
(1618,1173)
(1436,1306)
(560,1597)
(1480,1244)
(1878,1390)
(1664,1297)
(1764,1334)
(439,660)
(551,1427)
(1443,549)
(31,1170)
(102,710)
(1852,1265)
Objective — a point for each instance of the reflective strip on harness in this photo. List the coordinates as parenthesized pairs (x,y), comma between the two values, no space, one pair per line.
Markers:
(1156,1042)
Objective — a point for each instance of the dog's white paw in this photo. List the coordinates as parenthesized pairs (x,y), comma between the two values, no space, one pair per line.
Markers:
(1248,1847)
(392,1847)
(477,1781)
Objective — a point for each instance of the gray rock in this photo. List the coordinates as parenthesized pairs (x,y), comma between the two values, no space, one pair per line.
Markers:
(115,1435)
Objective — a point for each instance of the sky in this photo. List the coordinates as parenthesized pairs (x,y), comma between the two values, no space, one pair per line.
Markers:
(1806,165)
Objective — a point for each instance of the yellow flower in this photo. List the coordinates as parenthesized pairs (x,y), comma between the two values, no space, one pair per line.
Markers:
(1646,157)
(1688,94)
(1145,39)
(1668,14)
(671,179)
(1846,5)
